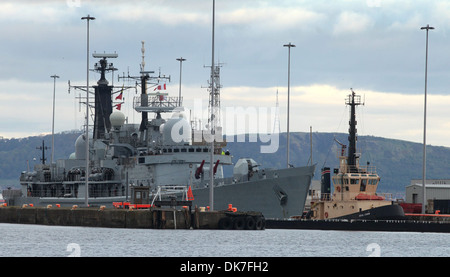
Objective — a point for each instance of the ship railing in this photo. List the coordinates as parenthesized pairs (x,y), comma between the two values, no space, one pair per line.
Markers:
(387,196)
(217,182)
(321,196)
(367,169)
(167,190)
(328,196)
(147,102)
(72,193)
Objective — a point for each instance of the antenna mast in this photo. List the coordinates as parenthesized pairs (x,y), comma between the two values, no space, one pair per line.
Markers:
(353,101)
(143,56)
(213,119)
(214,96)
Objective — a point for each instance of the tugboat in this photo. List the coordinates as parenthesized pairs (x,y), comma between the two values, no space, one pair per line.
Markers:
(355,186)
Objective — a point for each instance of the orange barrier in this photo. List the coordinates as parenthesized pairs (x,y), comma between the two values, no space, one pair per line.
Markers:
(231,208)
(127,205)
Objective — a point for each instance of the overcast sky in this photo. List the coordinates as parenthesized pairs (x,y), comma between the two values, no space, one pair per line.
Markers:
(375,47)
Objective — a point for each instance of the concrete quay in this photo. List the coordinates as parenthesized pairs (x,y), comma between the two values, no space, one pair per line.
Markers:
(154,218)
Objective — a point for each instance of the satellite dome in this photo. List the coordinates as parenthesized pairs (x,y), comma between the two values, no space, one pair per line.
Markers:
(117,119)
(80,146)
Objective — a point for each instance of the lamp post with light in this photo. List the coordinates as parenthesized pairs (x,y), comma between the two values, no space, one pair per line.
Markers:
(87,18)
(288,100)
(53,120)
(425,122)
(181,60)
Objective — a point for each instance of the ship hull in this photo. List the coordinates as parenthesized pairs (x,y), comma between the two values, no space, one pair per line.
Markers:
(388,212)
(282,196)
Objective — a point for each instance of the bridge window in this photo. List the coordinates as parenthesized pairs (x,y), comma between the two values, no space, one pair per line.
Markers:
(363,185)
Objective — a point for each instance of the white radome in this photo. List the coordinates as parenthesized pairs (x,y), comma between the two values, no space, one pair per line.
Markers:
(117,119)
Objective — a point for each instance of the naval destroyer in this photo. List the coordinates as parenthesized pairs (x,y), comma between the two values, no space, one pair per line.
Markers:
(138,163)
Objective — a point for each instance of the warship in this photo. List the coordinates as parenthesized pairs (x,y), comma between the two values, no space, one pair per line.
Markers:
(158,158)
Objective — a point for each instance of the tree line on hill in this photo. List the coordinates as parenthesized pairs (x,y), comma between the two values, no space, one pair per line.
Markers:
(396,161)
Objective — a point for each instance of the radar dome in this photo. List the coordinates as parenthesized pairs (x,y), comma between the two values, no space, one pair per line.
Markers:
(80,146)
(117,119)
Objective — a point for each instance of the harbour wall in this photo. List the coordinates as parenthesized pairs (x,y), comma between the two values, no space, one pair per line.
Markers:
(156,218)
(409,224)
(429,217)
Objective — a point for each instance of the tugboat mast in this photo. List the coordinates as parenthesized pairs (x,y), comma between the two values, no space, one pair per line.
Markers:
(353,101)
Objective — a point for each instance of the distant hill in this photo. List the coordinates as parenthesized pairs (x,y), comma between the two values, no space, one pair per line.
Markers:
(397,161)
(15,153)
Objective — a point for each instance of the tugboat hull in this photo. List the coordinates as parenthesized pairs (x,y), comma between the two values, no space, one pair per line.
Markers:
(388,212)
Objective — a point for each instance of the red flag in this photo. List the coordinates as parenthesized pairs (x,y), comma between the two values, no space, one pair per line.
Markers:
(119,96)
(159,87)
(118,106)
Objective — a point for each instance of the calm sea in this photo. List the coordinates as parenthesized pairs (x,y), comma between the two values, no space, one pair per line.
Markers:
(18,240)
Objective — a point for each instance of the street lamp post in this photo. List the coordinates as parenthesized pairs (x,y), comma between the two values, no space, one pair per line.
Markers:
(53,120)
(87,18)
(425,122)
(181,60)
(289,84)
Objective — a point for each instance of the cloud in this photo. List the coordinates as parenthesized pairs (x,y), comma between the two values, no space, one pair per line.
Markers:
(374,46)
(29,106)
(170,16)
(322,106)
(35,12)
(272,18)
(352,22)
(409,24)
